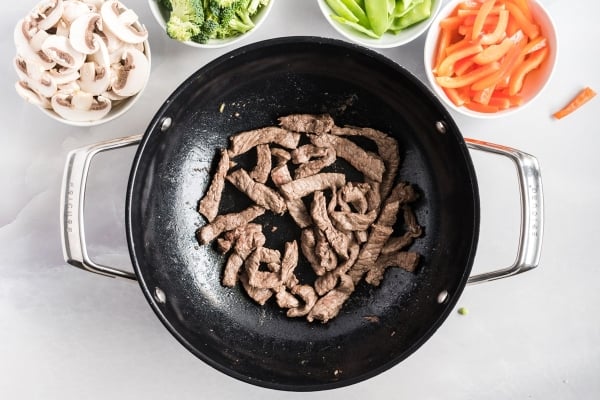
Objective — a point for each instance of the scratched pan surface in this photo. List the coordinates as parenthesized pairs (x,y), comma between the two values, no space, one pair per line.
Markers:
(377,327)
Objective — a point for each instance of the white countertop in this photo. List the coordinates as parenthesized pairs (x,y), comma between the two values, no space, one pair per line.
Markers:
(68,334)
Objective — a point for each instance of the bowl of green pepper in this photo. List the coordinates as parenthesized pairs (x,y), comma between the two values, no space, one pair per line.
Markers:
(380,23)
(210,23)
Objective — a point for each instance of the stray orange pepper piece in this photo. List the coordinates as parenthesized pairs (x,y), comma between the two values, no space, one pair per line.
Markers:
(585,95)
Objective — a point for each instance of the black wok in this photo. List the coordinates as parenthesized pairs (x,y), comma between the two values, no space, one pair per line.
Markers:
(377,327)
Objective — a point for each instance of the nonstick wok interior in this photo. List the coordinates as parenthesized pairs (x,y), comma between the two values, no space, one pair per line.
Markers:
(377,327)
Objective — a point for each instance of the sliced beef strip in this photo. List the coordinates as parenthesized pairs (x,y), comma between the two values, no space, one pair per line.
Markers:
(354,194)
(306,152)
(315,166)
(280,174)
(325,253)
(309,298)
(327,282)
(289,262)
(209,205)
(349,221)
(264,279)
(397,243)
(373,195)
(299,188)
(413,230)
(281,156)
(370,251)
(244,141)
(369,164)
(329,306)
(380,232)
(260,173)
(307,123)
(308,246)
(227,222)
(403,259)
(261,194)
(244,245)
(228,239)
(361,236)
(285,299)
(339,241)
(404,193)
(387,148)
(341,203)
(257,294)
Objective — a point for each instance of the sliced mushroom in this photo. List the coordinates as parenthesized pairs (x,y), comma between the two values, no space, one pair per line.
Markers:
(131,74)
(94,4)
(21,67)
(33,72)
(44,84)
(35,77)
(62,75)
(31,95)
(74,10)
(81,33)
(28,40)
(62,28)
(24,31)
(69,87)
(94,78)
(48,13)
(109,94)
(80,106)
(121,21)
(59,49)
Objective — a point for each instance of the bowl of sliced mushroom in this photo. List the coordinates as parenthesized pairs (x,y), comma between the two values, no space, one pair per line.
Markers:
(82,62)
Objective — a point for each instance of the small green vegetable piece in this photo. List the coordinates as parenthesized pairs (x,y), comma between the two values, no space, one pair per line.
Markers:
(463,311)
(355,26)
(341,10)
(377,12)
(417,13)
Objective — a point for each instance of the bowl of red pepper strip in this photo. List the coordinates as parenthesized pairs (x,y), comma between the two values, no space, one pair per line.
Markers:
(490,58)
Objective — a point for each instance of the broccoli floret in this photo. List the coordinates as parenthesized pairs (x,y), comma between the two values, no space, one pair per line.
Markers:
(207,31)
(185,19)
(181,30)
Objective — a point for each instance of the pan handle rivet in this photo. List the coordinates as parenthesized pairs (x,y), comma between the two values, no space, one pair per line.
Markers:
(442,297)
(160,296)
(440,126)
(166,124)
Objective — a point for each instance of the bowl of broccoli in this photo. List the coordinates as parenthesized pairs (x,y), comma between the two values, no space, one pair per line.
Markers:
(210,23)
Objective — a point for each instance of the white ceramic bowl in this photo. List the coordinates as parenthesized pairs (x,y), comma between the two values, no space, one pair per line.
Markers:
(387,40)
(162,16)
(533,84)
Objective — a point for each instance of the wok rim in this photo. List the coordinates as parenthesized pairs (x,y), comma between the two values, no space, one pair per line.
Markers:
(450,301)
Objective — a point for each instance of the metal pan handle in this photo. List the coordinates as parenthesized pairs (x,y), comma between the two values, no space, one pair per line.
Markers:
(532,211)
(72,203)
